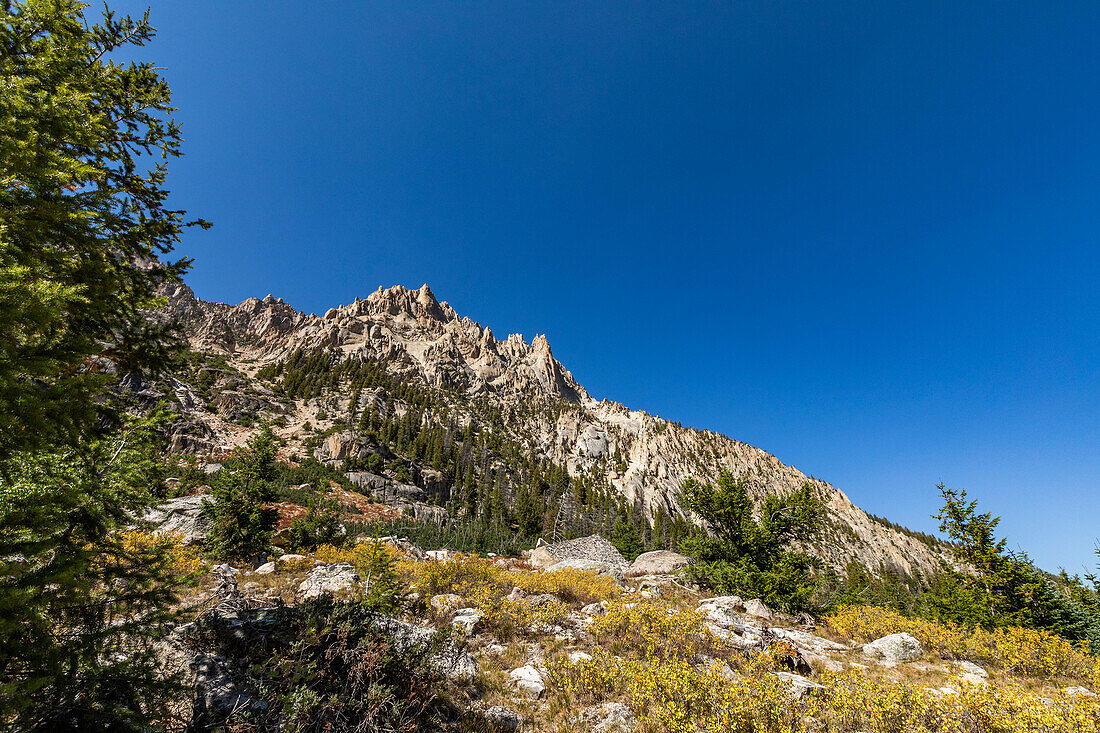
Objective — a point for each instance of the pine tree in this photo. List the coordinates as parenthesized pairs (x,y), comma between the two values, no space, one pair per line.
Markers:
(242,527)
(84,227)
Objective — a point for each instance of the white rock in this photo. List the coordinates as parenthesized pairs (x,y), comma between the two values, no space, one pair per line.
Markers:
(612,717)
(1079,692)
(290,558)
(972,673)
(528,680)
(578,657)
(732,603)
(589,566)
(658,562)
(502,719)
(266,569)
(328,579)
(799,684)
(466,619)
(895,648)
(756,607)
(720,616)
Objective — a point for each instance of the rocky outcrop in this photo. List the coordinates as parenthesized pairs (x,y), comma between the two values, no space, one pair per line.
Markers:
(183,516)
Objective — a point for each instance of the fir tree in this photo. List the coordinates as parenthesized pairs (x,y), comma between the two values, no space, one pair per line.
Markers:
(84,227)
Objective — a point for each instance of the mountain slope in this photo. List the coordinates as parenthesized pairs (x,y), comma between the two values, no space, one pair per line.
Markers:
(636,456)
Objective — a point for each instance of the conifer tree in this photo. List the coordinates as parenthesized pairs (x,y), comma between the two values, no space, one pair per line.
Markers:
(84,140)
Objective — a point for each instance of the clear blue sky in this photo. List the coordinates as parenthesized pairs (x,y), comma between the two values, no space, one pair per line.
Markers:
(859,235)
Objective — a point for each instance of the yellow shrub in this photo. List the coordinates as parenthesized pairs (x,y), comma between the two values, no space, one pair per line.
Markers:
(1022,652)
(505,617)
(593,681)
(672,695)
(851,701)
(460,574)
(570,585)
(183,559)
(650,628)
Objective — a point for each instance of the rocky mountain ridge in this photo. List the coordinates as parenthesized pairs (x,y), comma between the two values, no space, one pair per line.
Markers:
(642,457)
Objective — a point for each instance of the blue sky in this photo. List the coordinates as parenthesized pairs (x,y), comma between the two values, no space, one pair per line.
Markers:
(859,235)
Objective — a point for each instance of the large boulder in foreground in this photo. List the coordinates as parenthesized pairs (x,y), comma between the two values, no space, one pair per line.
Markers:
(895,648)
(658,562)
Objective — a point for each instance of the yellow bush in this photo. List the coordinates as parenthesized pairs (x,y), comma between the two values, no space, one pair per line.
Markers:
(650,628)
(593,681)
(851,701)
(1022,652)
(506,617)
(183,559)
(570,585)
(460,574)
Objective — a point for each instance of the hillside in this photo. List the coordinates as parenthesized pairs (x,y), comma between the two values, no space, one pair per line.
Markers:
(403,354)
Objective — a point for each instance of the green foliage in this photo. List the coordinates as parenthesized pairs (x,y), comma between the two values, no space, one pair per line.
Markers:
(320,526)
(385,587)
(80,610)
(84,137)
(627,539)
(748,555)
(80,211)
(473,536)
(325,665)
(242,526)
(1002,588)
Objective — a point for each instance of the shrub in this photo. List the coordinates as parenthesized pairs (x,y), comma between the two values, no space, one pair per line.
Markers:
(1021,652)
(748,555)
(320,526)
(184,560)
(327,666)
(650,628)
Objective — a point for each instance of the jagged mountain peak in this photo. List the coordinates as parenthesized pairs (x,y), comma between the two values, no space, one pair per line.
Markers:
(642,457)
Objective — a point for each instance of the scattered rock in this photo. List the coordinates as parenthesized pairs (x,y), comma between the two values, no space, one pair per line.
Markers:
(807,640)
(720,616)
(328,579)
(528,680)
(658,562)
(895,648)
(217,694)
(972,673)
(593,547)
(611,717)
(589,566)
(502,719)
(756,607)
